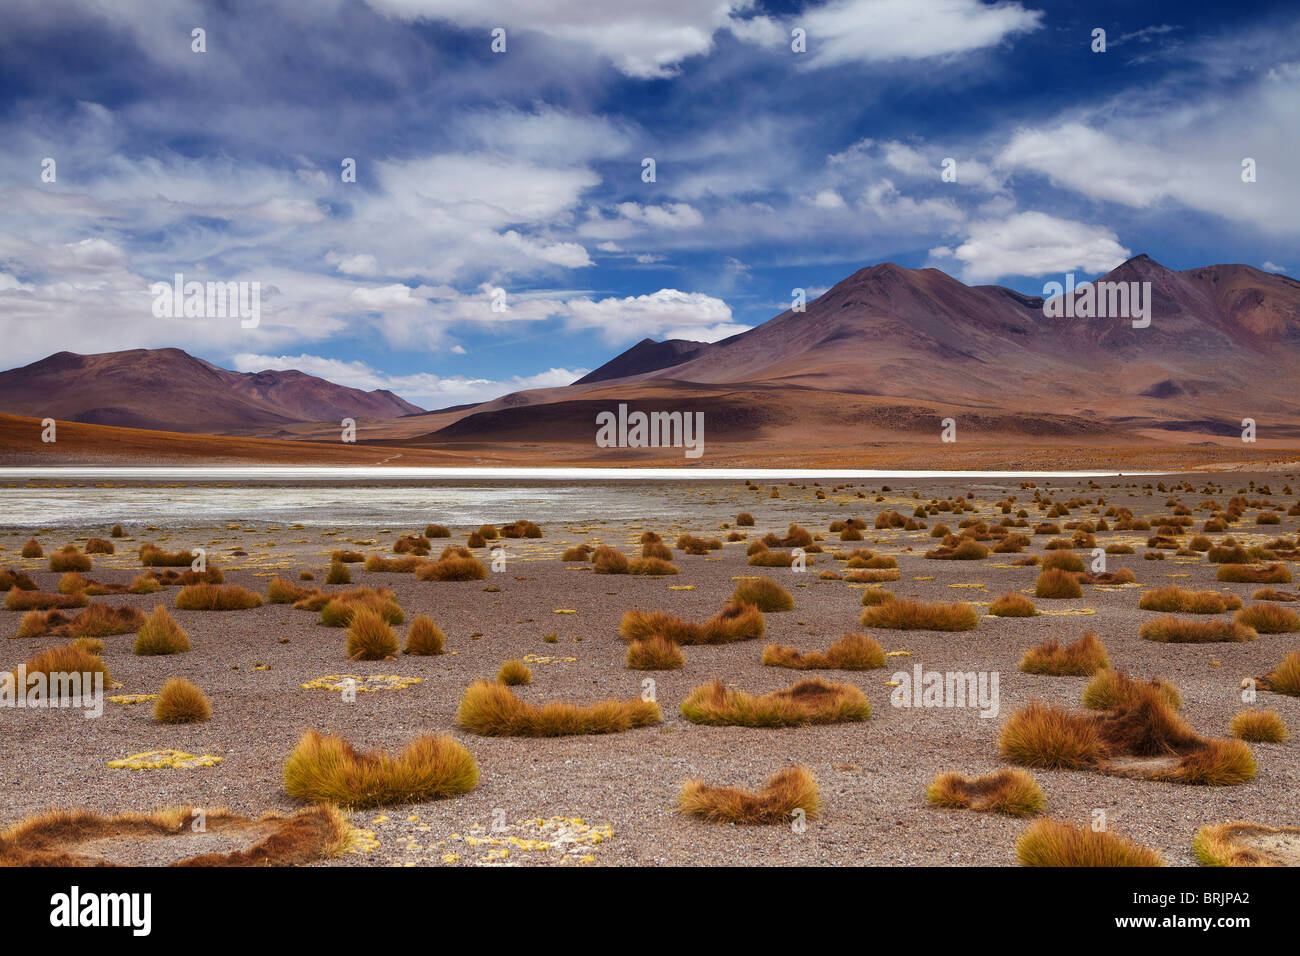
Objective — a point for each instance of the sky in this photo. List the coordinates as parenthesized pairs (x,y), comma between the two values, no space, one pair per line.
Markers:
(503,230)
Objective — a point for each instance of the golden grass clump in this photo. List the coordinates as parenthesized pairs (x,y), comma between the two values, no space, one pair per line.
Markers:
(492,710)
(967,549)
(764,594)
(771,559)
(326,769)
(152,556)
(852,652)
(1054,843)
(873,596)
(735,622)
(68,659)
(1247,844)
(654,653)
(1272,594)
(1286,679)
(1268,619)
(1246,574)
(33,549)
(653,567)
(180,702)
(337,609)
(343,556)
(451,568)
(1050,738)
(656,549)
(1115,690)
(1083,658)
(514,673)
(70,559)
(216,597)
(370,637)
(10,579)
(100,546)
(403,565)
(577,553)
(872,576)
(1063,561)
(1173,599)
(1259,726)
(284,591)
(1011,791)
(100,620)
(338,573)
(903,615)
(744,520)
(1055,583)
(791,789)
(18,600)
(1013,604)
(1173,630)
(424,638)
(160,634)
(437,531)
(608,561)
(810,701)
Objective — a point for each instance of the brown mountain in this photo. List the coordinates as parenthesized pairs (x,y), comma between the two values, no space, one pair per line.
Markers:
(170,389)
(890,350)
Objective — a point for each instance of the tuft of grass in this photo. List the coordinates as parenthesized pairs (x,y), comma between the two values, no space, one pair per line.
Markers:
(152,556)
(744,520)
(1174,599)
(338,573)
(1219,763)
(100,546)
(425,638)
(1247,574)
(100,620)
(902,615)
(10,579)
(771,559)
(1173,630)
(791,789)
(1246,844)
(1286,679)
(117,532)
(1013,604)
(451,568)
(1083,658)
(852,652)
(403,565)
(810,701)
(180,702)
(872,577)
(18,600)
(160,634)
(370,637)
(873,596)
(735,622)
(1011,791)
(654,653)
(283,591)
(1055,583)
(346,557)
(1051,738)
(336,610)
(967,549)
(69,559)
(33,549)
(1259,726)
(1115,690)
(1063,561)
(68,659)
(216,597)
(1269,594)
(326,769)
(577,553)
(608,561)
(653,567)
(1055,843)
(764,594)
(514,673)
(492,710)
(145,584)
(1268,619)
(437,531)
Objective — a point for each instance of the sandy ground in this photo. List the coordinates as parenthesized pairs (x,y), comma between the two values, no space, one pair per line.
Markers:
(872,775)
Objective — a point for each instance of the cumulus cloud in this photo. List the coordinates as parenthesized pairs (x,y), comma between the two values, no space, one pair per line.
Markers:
(668,314)
(1032,244)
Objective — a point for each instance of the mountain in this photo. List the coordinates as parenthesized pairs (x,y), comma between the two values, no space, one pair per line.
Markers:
(171,390)
(891,348)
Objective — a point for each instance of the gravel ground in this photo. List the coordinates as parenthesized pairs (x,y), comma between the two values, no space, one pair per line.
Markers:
(608,799)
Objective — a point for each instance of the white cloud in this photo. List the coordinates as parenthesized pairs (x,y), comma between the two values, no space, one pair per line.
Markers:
(424,389)
(1273,267)
(677,215)
(1033,244)
(667,313)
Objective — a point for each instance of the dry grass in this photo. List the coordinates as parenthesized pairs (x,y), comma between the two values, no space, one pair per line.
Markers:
(873,596)
(338,573)
(735,622)
(577,553)
(10,579)
(652,567)
(1268,619)
(336,610)
(68,659)
(1115,690)
(216,597)
(1083,658)
(1055,583)
(100,546)
(791,789)
(656,549)
(1247,844)
(180,702)
(1010,790)
(32,549)
(282,591)
(1013,604)
(1247,574)
(514,673)
(744,520)
(425,638)
(968,549)
(61,837)
(771,559)
(902,615)
(370,637)
(404,565)
(160,634)
(1175,600)
(1054,843)
(326,769)
(810,701)
(437,531)
(451,568)
(852,652)
(872,577)
(1259,726)
(152,556)
(17,600)
(1063,561)
(100,620)
(655,653)
(1173,630)
(1271,594)
(764,594)
(608,561)
(491,710)
(1286,679)
(1050,738)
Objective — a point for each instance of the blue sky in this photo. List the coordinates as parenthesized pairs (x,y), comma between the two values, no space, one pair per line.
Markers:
(521,171)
